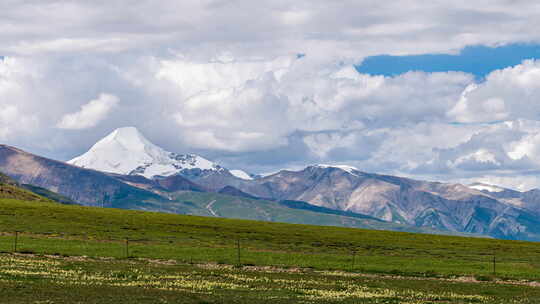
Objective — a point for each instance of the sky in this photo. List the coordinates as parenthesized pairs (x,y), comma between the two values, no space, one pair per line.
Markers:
(477,60)
(437,90)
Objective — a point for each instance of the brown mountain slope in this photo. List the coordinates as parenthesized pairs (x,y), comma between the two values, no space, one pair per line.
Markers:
(81,185)
(452,207)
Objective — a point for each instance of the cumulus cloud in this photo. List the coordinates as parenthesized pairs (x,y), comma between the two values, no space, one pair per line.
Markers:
(246,106)
(13,121)
(506,94)
(90,114)
(232,86)
(15,116)
(508,146)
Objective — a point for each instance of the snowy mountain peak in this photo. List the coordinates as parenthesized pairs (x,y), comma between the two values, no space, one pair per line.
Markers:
(126,151)
(128,137)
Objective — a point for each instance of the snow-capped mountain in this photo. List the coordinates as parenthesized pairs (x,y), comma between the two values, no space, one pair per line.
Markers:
(126,151)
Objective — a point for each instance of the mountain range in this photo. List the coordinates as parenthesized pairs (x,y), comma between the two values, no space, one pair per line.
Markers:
(173,194)
(126,170)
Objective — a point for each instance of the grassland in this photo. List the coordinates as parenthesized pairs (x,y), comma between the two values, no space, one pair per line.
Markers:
(50,228)
(70,254)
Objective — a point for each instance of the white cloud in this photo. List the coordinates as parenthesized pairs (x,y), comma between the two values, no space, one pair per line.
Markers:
(521,182)
(324,29)
(13,121)
(193,77)
(295,17)
(506,94)
(228,84)
(321,144)
(483,158)
(246,106)
(90,114)
(15,116)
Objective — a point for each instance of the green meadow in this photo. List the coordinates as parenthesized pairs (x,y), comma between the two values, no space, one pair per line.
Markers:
(54,253)
(50,228)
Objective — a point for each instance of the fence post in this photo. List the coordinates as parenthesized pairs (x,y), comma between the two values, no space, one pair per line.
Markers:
(85,245)
(238,250)
(494,265)
(353,257)
(127,248)
(15,242)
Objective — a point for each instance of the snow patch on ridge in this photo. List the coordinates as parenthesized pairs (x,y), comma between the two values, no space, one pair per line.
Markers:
(485,187)
(241,174)
(349,169)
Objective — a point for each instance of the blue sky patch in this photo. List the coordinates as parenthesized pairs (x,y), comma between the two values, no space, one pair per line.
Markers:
(477,60)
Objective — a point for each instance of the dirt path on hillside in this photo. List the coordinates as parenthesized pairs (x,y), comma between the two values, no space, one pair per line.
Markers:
(209,207)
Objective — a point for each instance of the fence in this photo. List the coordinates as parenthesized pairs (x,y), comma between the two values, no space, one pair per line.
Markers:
(246,252)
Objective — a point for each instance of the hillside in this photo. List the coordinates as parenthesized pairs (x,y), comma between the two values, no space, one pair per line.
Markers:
(48,194)
(4,179)
(9,189)
(227,206)
(14,192)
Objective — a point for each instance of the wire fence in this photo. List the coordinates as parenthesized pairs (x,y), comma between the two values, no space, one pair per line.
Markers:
(246,252)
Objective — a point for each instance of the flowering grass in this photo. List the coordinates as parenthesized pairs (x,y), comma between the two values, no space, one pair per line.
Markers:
(46,279)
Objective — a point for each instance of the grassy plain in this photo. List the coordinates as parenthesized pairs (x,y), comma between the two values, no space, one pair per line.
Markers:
(74,254)
(50,228)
